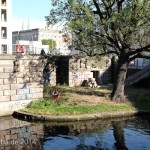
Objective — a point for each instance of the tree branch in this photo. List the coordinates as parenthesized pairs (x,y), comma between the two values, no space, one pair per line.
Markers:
(133,57)
(108,7)
(111,40)
(135,51)
(99,12)
(119,5)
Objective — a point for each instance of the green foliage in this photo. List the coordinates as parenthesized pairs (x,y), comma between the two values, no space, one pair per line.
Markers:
(139,99)
(50,42)
(43,108)
(104,27)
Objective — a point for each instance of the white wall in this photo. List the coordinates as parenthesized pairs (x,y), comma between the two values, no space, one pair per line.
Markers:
(7,24)
(33,46)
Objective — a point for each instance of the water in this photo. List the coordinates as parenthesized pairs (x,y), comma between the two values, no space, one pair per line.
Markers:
(132,133)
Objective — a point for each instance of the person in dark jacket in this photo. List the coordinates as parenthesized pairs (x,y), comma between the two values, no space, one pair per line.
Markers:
(46,74)
(42,52)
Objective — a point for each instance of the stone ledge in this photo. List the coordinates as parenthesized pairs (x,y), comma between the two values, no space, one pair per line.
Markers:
(84,117)
(7,57)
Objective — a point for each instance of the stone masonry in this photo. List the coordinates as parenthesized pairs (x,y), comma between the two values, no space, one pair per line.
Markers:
(20,82)
(21,77)
(83,68)
(74,70)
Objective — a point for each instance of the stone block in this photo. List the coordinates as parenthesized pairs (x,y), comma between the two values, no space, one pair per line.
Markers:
(40,69)
(22,80)
(1,93)
(70,73)
(2,136)
(26,68)
(17,86)
(35,79)
(6,63)
(10,81)
(4,98)
(9,69)
(33,69)
(53,73)
(22,91)
(4,87)
(71,77)
(5,75)
(29,96)
(9,92)
(37,95)
(14,137)
(25,62)
(35,85)
(1,81)
(34,63)
(14,131)
(21,68)
(18,97)
(38,74)
(1,69)
(36,90)
(19,74)
(7,137)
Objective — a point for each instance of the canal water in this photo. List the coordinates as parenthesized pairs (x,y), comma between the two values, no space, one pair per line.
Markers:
(130,133)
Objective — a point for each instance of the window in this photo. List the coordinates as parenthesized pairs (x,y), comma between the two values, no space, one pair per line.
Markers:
(4,49)
(3,15)
(3,2)
(4,33)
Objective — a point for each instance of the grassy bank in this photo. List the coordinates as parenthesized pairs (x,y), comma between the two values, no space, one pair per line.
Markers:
(81,100)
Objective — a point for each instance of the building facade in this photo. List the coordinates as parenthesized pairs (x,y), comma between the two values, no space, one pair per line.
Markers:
(5,27)
(38,34)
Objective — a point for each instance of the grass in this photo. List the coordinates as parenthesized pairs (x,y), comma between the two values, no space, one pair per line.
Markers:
(81,100)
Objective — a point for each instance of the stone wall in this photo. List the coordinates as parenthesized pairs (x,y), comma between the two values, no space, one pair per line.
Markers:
(17,134)
(21,77)
(20,82)
(83,68)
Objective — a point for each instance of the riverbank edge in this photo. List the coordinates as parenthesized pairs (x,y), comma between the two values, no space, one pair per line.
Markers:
(83,117)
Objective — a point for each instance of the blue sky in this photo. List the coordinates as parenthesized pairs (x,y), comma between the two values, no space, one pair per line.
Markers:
(34,9)
(31,12)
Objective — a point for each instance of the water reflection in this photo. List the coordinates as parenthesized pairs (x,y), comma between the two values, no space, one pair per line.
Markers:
(107,134)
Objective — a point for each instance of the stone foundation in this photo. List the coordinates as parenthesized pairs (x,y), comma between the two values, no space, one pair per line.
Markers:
(20,82)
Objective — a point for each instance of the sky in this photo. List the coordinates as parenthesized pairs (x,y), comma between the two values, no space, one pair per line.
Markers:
(32,11)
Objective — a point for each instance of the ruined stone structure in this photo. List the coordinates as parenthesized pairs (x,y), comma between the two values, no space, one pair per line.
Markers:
(74,70)
(21,77)
(20,82)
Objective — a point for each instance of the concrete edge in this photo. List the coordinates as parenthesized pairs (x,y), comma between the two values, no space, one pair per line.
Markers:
(84,117)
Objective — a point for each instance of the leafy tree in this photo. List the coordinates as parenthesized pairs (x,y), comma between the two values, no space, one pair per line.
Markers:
(50,42)
(107,27)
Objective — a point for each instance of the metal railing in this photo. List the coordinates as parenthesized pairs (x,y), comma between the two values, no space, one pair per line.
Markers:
(139,64)
(29,49)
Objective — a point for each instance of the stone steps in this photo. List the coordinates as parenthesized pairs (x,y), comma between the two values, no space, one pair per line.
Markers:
(144,73)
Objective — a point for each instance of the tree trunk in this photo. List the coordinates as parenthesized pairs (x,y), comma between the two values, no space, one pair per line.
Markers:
(118,86)
(118,128)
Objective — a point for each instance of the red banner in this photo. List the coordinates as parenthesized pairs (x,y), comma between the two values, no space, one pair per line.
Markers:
(20,48)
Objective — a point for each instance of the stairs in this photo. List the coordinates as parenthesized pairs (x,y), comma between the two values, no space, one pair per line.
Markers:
(144,73)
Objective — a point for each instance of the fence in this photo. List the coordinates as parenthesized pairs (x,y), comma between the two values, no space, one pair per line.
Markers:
(139,63)
(30,49)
